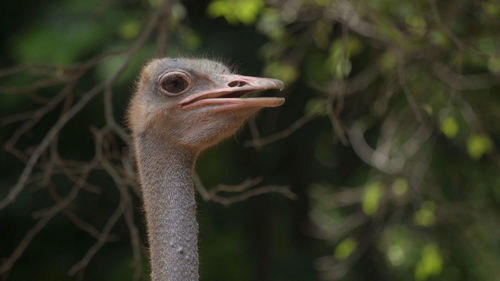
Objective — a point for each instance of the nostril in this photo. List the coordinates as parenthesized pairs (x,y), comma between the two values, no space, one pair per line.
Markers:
(236,83)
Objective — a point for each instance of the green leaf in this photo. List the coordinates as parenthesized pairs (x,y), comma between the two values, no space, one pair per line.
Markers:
(283,71)
(323,2)
(479,144)
(449,127)
(341,51)
(155,3)
(400,187)
(430,263)
(494,64)
(425,216)
(342,68)
(401,245)
(388,61)
(492,8)
(236,11)
(129,29)
(316,106)
(396,254)
(416,25)
(191,38)
(178,12)
(371,196)
(321,34)
(345,248)
(438,38)
(270,23)
(427,108)
(486,45)
(385,29)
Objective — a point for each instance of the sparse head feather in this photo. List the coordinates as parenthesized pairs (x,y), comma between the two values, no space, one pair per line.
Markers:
(200,65)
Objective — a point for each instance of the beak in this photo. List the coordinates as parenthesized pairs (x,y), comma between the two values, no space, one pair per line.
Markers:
(228,96)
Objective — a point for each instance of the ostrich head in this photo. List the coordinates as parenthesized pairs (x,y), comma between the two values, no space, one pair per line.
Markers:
(195,103)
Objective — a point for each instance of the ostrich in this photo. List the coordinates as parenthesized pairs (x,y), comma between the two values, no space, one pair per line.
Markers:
(181,107)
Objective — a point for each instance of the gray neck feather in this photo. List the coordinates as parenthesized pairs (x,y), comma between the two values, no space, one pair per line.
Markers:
(166,175)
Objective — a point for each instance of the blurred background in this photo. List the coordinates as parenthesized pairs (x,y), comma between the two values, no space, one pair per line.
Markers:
(388,139)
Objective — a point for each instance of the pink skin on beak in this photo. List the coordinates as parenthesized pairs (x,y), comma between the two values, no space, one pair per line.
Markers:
(227,97)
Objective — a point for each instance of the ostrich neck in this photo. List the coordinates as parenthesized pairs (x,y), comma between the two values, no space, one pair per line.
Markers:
(166,176)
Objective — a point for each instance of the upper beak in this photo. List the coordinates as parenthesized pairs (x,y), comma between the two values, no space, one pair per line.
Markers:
(233,86)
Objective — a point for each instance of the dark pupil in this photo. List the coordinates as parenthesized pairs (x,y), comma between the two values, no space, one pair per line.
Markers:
(174,84)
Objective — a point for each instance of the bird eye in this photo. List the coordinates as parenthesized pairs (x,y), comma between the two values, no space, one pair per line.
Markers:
(174,83)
